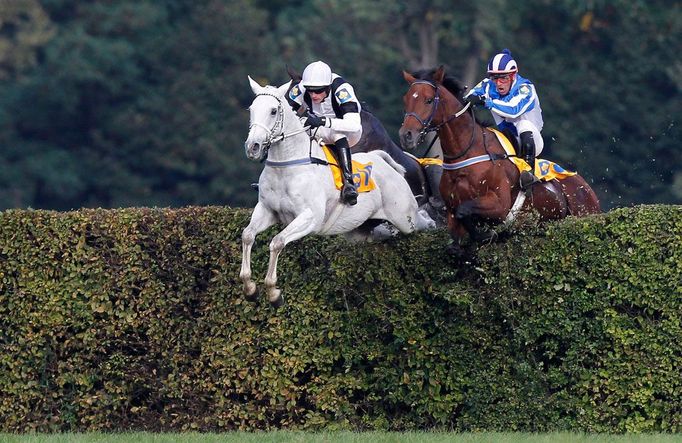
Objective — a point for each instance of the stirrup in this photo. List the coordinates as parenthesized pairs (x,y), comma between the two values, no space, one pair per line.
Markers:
(527,179)
(349,195)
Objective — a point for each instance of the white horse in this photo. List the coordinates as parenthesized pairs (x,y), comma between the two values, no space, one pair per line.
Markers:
(301,194)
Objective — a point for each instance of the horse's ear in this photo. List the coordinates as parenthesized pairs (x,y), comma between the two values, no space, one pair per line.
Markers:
(295,76)
(255,87)
(409,78)
(282,90)
(439,75)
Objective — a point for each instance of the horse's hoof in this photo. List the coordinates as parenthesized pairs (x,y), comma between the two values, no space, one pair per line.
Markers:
(383,232)
(275,297)
(277,303)
(250,291)
(252,297)
(454,250)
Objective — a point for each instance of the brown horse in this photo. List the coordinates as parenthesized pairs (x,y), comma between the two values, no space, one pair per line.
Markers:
(480,184)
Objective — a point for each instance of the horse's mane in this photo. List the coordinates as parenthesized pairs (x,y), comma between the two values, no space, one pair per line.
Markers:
(452,84)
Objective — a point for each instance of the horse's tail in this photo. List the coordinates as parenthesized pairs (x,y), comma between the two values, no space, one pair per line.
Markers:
(392,163)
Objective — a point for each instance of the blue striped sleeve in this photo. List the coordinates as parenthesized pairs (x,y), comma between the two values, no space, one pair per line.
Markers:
(514,106)
(479,89)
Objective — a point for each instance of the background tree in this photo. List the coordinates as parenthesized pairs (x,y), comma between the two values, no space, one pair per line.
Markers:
(24,27)
(142,103)
(134,103)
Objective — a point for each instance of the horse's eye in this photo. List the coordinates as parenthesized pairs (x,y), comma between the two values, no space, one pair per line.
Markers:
(273,111)
(429,101)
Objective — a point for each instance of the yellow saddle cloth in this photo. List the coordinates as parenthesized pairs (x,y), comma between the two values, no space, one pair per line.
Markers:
(362,172)
(429,161)
(544,169)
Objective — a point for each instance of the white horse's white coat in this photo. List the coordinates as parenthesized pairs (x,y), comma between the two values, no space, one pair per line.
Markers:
(303,196)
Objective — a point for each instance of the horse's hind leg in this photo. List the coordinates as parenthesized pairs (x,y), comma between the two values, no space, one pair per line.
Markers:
(424,220)
(298,228)
(261,219)
(580,197)
(401,210)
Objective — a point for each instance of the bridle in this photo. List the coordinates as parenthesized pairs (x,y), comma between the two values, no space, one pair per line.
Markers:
(276,133)
(427,124)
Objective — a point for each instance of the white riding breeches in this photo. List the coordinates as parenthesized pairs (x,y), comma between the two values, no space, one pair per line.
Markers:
(329,135)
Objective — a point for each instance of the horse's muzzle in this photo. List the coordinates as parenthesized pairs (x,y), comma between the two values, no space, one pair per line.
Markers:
(408,139)
(254,151)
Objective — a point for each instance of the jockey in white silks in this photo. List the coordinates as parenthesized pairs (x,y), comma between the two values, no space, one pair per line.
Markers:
(334,111)
(515,106)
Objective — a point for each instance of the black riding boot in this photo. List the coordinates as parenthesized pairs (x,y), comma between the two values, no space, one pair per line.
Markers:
(349,194)
(434,174)
(527,148)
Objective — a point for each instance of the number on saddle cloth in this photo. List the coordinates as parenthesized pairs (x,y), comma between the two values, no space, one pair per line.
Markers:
(362,172)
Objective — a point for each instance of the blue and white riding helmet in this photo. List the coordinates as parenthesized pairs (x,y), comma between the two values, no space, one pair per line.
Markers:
(502,63)
(317,75)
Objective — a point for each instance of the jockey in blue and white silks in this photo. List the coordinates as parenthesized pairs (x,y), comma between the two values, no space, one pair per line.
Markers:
(520,104)
(334,114)
(515,106)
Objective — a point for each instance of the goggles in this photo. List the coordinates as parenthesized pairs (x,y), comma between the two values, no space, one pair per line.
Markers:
(317,90)
(505,77)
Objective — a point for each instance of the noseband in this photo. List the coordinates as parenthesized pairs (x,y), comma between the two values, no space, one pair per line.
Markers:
(277,127)
(427,125)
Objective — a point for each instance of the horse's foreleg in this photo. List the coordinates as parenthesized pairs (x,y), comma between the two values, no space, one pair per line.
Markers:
(300,227)
(261,219)
(458,233)
(488,207)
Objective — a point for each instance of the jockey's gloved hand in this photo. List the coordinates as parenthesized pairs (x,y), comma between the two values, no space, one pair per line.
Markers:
(476,100)
(315,121)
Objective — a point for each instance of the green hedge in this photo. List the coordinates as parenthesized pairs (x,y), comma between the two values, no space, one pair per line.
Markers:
(133,319)
(595,306)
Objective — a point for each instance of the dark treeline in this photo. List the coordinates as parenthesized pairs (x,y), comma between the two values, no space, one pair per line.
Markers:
(143,102)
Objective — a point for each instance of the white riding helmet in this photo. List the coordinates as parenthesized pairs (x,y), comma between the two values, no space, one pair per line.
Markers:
(502,63)
(317,75)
